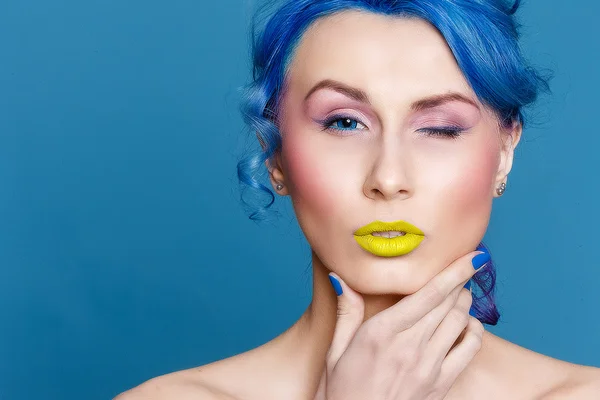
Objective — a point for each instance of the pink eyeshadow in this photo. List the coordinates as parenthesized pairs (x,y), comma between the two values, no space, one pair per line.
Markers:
(456,114)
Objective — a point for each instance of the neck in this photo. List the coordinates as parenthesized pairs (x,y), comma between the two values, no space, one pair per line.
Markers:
(313,332)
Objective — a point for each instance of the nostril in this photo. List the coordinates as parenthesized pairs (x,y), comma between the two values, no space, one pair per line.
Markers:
(387,195)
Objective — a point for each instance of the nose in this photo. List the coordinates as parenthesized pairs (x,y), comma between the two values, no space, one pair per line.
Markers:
(389,176)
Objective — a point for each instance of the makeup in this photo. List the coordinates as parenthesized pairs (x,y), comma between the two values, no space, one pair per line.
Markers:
(389,239)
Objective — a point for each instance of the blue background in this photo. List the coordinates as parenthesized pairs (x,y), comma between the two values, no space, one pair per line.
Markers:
(119,137)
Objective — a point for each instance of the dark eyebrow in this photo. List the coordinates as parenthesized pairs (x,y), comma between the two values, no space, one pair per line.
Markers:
(353,93)
(436,100)
(359,95)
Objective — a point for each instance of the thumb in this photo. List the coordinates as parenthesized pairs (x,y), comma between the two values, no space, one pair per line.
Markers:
(350,314)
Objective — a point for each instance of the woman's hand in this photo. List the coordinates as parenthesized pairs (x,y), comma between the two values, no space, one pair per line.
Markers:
(405,352)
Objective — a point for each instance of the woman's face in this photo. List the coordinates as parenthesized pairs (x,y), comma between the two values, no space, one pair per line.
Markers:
(360,95)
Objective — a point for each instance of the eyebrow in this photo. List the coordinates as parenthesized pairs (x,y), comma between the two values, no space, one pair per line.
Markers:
(359,95)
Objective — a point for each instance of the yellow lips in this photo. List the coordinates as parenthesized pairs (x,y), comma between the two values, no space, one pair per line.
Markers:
(389,247)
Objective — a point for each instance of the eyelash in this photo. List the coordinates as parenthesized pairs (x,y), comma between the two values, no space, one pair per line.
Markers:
(450,132)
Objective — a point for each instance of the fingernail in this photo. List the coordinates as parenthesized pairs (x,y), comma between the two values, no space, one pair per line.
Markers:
(480,259)
(336,285)
(468,285)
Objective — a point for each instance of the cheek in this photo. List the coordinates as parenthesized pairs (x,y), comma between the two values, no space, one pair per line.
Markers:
(471,188)
(479,175)
(306,179)
(467,195)
(315,180)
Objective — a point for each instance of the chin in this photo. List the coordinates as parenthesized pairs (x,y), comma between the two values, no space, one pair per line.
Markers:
(373,275)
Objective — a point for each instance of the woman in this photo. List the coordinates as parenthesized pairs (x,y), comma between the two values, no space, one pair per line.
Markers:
(392,125)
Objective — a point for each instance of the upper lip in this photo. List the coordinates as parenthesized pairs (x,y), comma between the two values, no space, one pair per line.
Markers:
(380,226)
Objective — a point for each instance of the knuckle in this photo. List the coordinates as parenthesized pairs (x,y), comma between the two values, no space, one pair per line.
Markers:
(375,330)
(424,375)
(475,343)
(478,343)
(434,293)
(464,299)
(345,310)
(477,327)
(342,312)
(458,316)
(428,319)
(408,358)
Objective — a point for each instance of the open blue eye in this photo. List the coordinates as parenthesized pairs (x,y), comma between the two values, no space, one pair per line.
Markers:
(346,123)
(342,123)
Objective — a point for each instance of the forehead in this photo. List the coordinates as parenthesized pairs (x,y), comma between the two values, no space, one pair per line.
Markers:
(389,57)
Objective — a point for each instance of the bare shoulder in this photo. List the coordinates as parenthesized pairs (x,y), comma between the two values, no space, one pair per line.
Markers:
(211,381)
(180,385)
(581,383)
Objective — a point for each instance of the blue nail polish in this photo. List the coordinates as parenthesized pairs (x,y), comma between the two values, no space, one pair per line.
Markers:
(468,285)
(480,259)
(336,285)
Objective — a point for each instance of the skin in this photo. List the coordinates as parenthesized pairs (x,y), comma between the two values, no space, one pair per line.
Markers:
(385,167)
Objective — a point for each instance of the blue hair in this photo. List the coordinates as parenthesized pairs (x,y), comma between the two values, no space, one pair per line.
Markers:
(482,34)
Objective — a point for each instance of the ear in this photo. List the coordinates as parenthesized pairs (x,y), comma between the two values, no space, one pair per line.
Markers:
(276,174)
(509,140)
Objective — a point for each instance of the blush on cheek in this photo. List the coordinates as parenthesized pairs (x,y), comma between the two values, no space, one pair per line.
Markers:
(487,163)
(473,191)
(308,183)
(480,176)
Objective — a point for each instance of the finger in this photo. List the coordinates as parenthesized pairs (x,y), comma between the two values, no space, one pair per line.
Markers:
(350,314)
(460,356)
(449,330)
(430,322)
(412,308)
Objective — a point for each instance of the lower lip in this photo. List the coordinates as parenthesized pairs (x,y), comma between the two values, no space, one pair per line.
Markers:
(389,247)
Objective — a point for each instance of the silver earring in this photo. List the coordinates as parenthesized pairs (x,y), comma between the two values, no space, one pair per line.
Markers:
(279,186)
(500,190)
